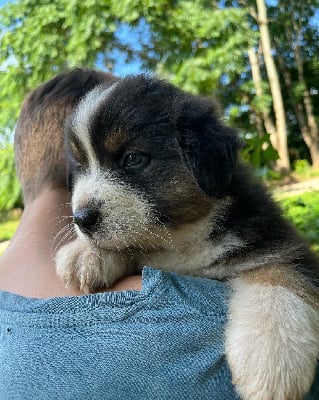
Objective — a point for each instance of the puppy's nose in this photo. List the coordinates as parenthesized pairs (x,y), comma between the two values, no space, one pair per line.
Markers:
(86,219)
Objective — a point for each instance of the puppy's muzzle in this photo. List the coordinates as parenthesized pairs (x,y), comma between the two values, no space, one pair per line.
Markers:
(87,219)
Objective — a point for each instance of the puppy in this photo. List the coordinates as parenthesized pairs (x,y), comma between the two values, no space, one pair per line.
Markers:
(157,182)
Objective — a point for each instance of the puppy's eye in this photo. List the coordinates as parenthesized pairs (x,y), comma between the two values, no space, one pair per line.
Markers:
(135,160)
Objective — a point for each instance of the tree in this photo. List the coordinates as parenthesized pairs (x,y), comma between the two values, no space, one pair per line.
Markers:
(290,25)
(254,59)
(281,127)
(198,45)
(10,190)
(296,40)
(40,38)
(202,46)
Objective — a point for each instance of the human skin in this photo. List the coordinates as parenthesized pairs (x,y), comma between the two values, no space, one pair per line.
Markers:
(27,267)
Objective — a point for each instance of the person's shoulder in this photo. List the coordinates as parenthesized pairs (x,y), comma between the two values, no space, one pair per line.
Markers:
(198,295)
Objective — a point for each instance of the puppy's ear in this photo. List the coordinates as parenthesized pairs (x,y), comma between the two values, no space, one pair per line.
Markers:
(209,148)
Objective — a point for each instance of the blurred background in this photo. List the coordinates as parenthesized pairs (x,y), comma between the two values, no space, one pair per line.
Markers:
(258,58)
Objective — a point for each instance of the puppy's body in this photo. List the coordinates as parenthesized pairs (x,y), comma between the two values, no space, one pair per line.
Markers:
(157,182)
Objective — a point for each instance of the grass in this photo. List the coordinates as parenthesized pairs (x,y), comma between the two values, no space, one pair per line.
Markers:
(9,222)
(303,211)
(8,228)
(303,170)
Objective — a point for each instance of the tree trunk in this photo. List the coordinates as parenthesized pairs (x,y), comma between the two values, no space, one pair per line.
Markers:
(298,107)
(256,75)
(281,127)
(313,140)
(259,124)
(257,83)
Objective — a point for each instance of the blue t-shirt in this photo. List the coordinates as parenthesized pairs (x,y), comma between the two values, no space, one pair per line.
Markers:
(164,342)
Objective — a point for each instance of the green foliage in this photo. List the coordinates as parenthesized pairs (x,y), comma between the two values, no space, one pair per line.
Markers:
(298,90)
(9,222)
(301,166)
(8,228)
(10,191)
(200,45)
(259,151)
(40,38)
(303,211)
(209,46)
(262,103)
(304,170)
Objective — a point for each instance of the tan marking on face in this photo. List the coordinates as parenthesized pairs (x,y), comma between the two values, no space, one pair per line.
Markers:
(114,140)
(188,202)
(180,195)
(78,153)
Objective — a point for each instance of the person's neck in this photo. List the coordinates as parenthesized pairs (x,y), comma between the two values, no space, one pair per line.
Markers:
(41,227)
(27,266)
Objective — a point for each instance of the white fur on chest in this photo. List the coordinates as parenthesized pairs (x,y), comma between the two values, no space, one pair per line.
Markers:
(192,250)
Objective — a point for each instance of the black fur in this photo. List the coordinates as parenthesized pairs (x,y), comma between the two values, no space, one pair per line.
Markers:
(180,131)
(209,148)
(189,205)
(147,107)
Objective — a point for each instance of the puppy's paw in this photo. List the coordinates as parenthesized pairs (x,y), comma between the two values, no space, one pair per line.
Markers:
(67,262)
(100,269)
(272,342)
(86,267)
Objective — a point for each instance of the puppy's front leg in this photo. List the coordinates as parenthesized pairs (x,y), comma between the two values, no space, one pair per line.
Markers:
(272,341)
(81,265)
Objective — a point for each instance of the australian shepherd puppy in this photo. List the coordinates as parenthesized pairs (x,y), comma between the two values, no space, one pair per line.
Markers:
(157,182)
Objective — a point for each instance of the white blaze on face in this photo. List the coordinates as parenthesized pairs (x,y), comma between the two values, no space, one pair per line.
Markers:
(83,116)
(126,217)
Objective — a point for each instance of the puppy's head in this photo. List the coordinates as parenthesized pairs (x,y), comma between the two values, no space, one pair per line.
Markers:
(147,158)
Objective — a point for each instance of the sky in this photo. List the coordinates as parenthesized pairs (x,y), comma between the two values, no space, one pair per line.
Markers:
(128,36)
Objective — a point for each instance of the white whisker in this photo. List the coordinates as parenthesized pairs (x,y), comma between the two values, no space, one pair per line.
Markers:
(69,232)
(66,227)
(60,219)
